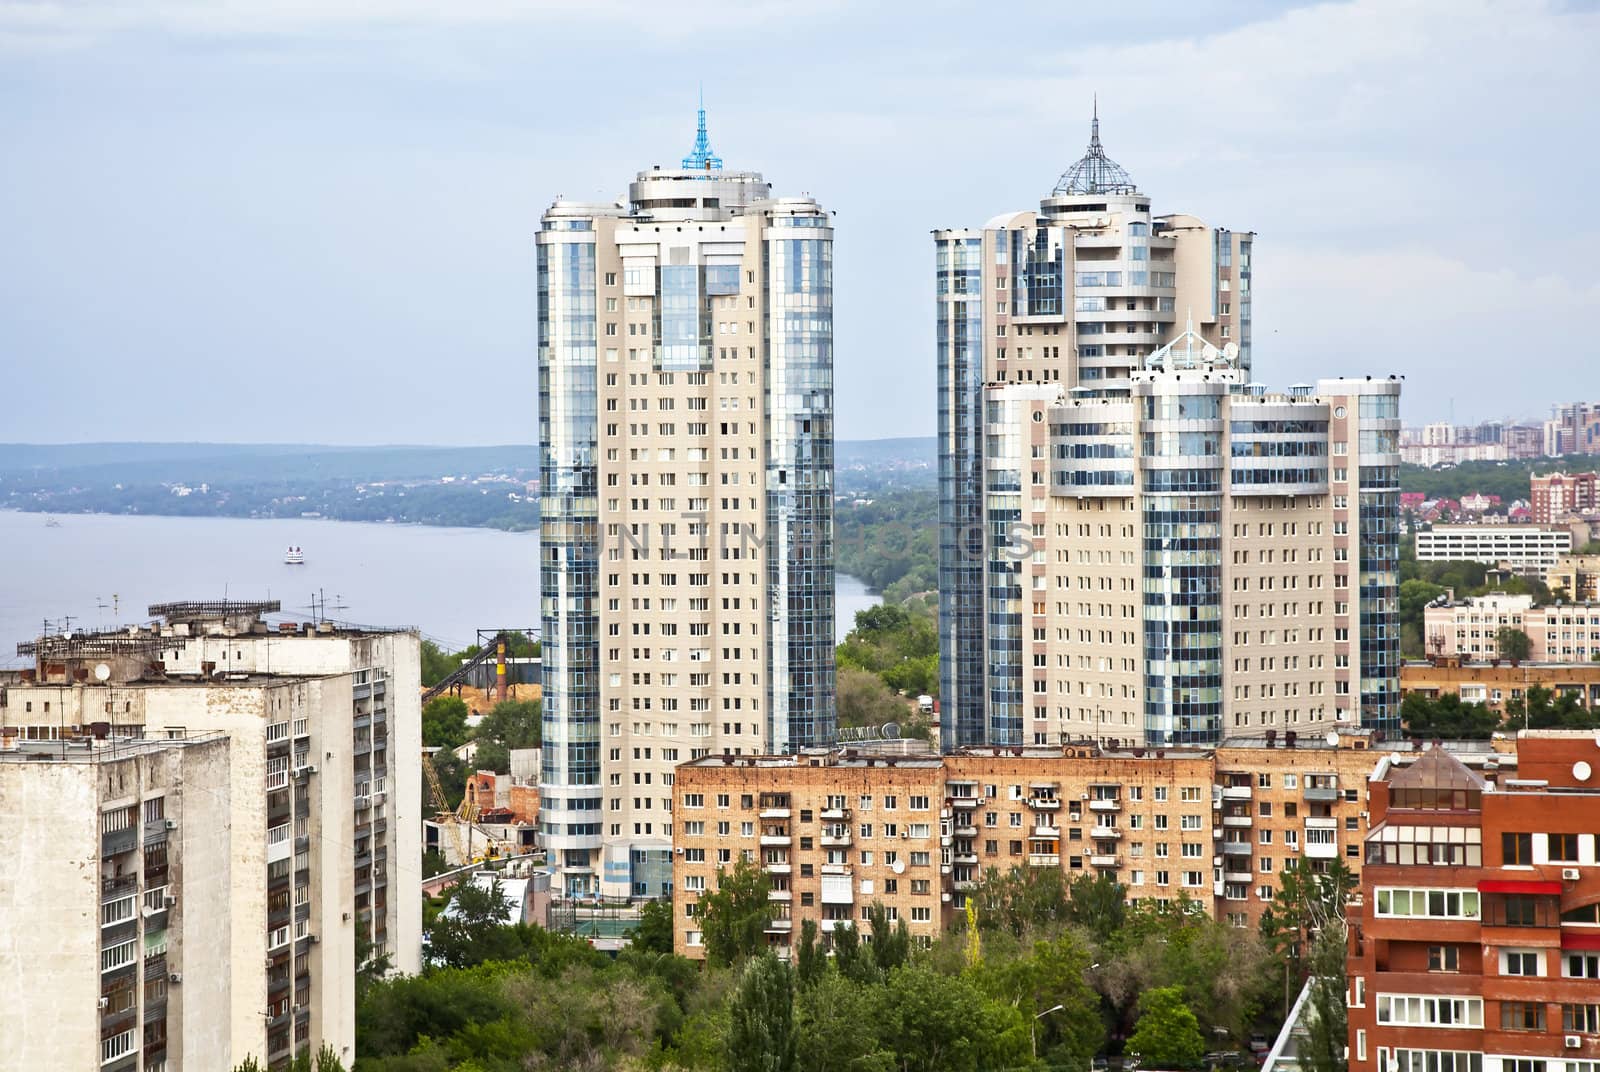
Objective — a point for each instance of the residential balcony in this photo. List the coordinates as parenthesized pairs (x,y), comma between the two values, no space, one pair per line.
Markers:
(1318,822)
(1112,861)
(776,840)
(1237,876)
(1044,803)
(1105,833)
(1237,792)
(835,869)
(966,830)
(774,813)
(832,841)
(1318,794)
(967,858)
(834,814)
(1044,859)
(121,886)
(965,885)
(1045,831)
(780,895)
(778,869)
(1108,804)
(1236,820)
(1237,848)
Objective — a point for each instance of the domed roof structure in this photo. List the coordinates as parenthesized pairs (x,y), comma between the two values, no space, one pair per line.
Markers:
(1095,173)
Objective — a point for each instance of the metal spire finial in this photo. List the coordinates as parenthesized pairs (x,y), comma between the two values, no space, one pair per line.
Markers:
(1095,173)
(702,158)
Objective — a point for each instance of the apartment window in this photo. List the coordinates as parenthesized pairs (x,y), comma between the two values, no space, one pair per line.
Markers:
(1520,962)
(1581,966)
(1444,958)
(1427,1010)
(1521,1016)
(1581,1019)
(1517,849)
(1435,904)
(1563,848)
(1434,1061)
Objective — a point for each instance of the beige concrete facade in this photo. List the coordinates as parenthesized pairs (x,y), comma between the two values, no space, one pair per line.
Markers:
(323,834)
(838,832)
(116,894)
(712,614)
(1470,628)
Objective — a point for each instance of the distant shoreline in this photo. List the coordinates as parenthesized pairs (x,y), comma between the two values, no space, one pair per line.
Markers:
(13,508)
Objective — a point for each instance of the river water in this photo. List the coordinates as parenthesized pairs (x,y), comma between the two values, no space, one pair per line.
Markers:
(106,569)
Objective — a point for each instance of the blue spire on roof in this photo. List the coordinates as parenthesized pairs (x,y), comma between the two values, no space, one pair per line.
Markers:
(702,158)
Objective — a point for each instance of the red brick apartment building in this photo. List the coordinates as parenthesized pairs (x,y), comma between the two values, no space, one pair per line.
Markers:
(1476,946)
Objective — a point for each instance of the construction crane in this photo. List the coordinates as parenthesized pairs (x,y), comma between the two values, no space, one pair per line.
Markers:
(445,817)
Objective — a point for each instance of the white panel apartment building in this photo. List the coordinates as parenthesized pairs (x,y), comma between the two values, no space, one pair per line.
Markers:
(323,836)
(116,891)
(1526,549)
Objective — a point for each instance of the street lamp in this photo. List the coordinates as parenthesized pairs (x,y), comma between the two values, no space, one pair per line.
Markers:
(1033,1037)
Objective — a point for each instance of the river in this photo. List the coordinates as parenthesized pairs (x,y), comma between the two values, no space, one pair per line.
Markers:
(106,569)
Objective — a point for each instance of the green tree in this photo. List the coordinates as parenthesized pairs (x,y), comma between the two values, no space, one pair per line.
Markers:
(837,1027)
(1306,925)
(1513,644)
(1097,903)
(511,724)
(865,700)
(1447,718)
(1022,899)
(444,722)
(437,664)
(1167,1034)
(1046,985)
(733,920)
(891,941)
(761,1028)
(810,961)
(433,863)
(944,1023)
(654,932)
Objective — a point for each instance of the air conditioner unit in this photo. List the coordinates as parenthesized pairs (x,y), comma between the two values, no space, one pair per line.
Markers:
(905,834)
(104,1001)
(1573,1042)
(175,977)
(311,938)
(678,850)
(169,900)
(1571,874)
(172,824)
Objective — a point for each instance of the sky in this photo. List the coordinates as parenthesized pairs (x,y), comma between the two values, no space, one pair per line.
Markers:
(313,220)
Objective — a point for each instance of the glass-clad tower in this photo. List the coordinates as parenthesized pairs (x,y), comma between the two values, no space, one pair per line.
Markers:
(1072,297)
(686,437)
(1139,543)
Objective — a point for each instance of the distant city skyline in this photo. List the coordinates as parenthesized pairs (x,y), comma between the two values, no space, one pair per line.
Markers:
(308,222)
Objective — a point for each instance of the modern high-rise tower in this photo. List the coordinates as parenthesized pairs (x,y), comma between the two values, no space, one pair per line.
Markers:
(1107,468)
(686,501)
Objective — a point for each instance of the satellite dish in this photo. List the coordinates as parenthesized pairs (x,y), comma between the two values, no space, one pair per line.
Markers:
(1230,350)
(898,867)
(1581,771)
(102,672)
(1332,738)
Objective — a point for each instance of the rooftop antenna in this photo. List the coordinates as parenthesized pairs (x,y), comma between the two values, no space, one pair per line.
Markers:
(701,158)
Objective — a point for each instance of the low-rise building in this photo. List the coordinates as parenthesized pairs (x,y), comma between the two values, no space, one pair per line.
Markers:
(1526,549)
(323,838)
(1575,577)
(116,898)
(1475,945)
(1497,684)
(839,831)
(1470,628)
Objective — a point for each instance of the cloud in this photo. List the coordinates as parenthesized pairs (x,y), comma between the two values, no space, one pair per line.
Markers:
(57,21)
(1493,342)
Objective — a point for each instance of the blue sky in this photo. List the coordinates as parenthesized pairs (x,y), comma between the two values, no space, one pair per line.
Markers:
(311,219)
